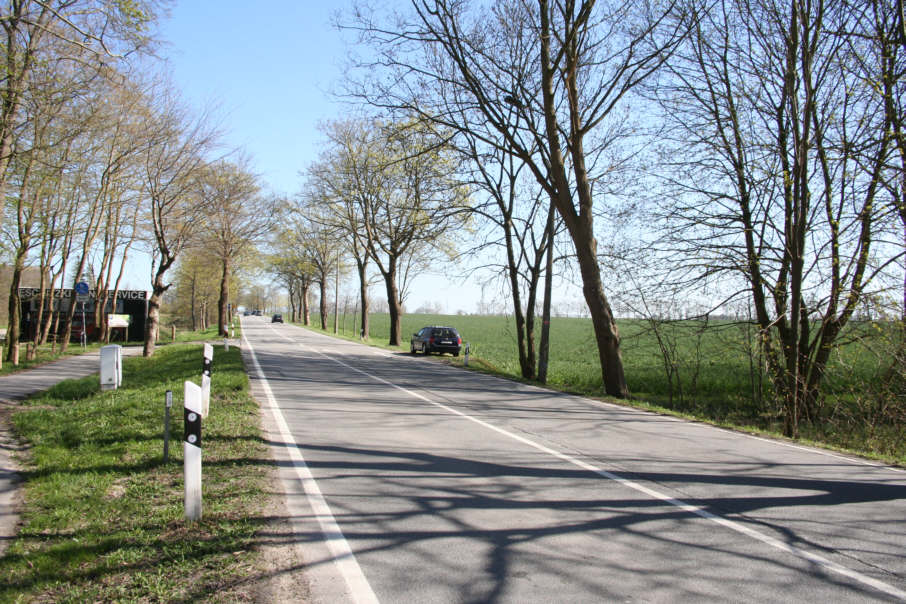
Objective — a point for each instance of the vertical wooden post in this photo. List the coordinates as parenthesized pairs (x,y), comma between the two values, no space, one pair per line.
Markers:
(167,406)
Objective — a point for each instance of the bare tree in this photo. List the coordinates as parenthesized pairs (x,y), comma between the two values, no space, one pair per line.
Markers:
(120,233)
(291,264)
(112,137)
(780,157)
(565,65)
(41,32)
(318,243)
(408,198)
(172,164)
(238,217)
(32,192)
(58,220)
(522,223)
(878,50)
(117,133)
(196,288)
(43,158)
(344,179)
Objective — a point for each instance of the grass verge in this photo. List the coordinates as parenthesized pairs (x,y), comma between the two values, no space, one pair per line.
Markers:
(104,518)
(46,353)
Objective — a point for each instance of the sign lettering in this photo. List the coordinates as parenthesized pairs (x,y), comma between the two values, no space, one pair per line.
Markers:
(29,293)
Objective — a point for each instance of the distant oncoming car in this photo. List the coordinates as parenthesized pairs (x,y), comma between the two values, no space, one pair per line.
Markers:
(278,318)
(436,339)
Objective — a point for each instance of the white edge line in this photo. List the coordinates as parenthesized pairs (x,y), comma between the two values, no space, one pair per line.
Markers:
(343,557)
(698,511)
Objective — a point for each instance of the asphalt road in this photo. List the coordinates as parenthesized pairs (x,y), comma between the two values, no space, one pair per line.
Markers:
(410,481)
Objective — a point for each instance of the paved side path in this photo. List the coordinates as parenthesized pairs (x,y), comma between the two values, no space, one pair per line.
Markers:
(14,388)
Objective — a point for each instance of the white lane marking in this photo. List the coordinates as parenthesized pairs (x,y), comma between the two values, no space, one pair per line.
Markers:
(597,403)
(343,557)
(692,509)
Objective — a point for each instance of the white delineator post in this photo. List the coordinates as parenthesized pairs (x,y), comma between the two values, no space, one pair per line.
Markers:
(111,367)
(206,379)
(192,451)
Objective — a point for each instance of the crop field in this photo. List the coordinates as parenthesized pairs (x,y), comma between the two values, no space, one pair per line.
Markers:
(712,371)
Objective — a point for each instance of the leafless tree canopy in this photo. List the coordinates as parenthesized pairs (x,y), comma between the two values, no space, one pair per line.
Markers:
(549,78)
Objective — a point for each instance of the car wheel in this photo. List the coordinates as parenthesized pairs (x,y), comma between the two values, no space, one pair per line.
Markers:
(425,349)
(411,348)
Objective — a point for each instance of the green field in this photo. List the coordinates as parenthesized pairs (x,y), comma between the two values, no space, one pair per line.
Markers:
(713,373)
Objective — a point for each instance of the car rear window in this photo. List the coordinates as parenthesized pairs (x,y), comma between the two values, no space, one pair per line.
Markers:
(444,333)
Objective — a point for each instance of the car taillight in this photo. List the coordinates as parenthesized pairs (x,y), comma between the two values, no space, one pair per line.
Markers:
(459,341)
(431,340)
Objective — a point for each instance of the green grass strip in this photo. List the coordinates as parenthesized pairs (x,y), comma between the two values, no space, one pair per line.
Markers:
(104,518)
(46,353)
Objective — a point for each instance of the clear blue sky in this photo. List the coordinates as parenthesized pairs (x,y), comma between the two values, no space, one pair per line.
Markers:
(269,68)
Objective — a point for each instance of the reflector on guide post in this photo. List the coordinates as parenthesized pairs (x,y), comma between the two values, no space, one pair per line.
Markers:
(111,367)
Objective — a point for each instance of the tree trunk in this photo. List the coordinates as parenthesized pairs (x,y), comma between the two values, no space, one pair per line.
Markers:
(306,308)
(543,353)
(193,304)
(336,298)
(518,316)
(606,333)
(394,304)
(292,301)
(323,303)
(13,332)
(363,298)
(48,322)
(42,308)
(580,224)
(224,300)
(530,306)
(152,326)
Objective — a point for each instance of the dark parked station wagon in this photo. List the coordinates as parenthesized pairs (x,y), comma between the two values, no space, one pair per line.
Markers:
(436,339)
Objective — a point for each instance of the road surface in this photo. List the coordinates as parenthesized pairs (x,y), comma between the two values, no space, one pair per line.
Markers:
(411,481)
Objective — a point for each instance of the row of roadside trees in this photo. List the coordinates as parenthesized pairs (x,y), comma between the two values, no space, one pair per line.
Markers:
(738,151)
(99,155)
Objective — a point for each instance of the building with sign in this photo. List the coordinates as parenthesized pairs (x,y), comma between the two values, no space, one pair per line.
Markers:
(126,315)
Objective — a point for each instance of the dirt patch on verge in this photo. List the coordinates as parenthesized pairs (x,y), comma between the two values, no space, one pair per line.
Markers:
(10,481)
(281,576)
